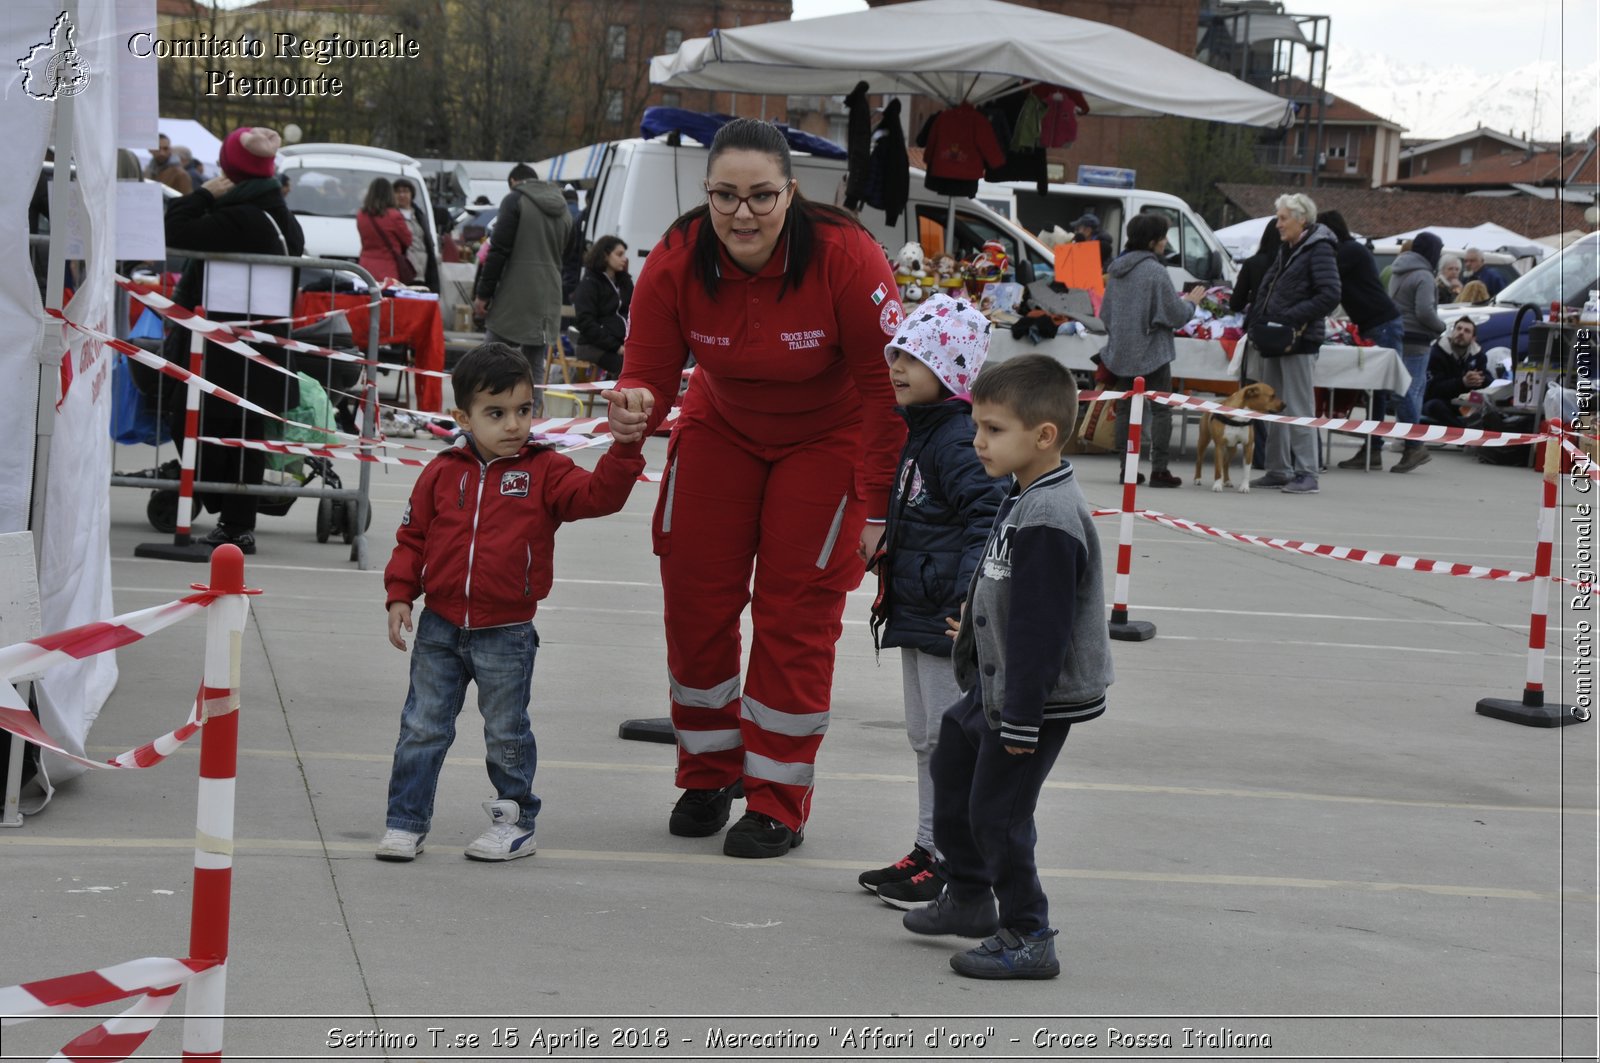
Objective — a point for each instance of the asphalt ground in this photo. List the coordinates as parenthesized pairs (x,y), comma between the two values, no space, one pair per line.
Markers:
(1290,826)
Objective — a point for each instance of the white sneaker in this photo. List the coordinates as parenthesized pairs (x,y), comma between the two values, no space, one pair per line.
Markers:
(400,845)
(504,840)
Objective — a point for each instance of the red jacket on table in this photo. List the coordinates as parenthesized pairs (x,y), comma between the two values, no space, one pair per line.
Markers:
(477,539)
(777,371)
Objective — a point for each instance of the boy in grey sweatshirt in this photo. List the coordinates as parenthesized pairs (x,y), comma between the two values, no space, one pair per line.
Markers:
(1032,657)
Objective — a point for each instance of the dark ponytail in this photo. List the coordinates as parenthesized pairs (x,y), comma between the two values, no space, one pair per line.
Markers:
(799,224)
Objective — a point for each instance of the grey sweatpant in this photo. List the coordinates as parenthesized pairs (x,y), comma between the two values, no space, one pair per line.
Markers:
(930,686)
(1291,450)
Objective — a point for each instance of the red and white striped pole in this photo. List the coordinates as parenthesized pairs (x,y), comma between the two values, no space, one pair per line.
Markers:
(206,994)
(1122,628)
(1532,710)
(183,547)
(191,436)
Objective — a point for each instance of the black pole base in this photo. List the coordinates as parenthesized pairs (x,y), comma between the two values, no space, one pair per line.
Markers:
(194,552)
(657,729)
(1549,715)
(1132,630)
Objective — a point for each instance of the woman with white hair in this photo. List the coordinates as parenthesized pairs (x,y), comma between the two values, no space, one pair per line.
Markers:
(1299,290)
(1448,282)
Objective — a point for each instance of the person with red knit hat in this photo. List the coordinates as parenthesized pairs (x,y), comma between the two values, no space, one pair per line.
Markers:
(241,211)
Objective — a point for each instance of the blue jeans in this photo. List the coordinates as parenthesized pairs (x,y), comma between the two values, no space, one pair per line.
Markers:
(443,660)
(1415,358)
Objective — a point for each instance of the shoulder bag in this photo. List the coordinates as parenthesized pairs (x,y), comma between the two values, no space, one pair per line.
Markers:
(1274,339)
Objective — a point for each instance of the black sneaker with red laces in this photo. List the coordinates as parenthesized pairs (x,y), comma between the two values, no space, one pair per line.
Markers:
(918,859)
(914,892)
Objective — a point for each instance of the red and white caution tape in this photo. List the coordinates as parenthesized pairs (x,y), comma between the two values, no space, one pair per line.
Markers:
(352,454)
(313,451)
(36,655)
(153,981)
(1345,553)
(1426,433)
(74,644)
(15,718)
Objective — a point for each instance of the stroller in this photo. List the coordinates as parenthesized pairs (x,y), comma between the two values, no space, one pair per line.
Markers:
(316,375)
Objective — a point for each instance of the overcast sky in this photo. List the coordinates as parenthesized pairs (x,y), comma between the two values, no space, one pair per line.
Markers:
(1484,34)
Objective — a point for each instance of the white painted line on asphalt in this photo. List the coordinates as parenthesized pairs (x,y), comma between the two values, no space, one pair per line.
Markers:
(585,766)
(1549,662)
(252,566)
(290,845)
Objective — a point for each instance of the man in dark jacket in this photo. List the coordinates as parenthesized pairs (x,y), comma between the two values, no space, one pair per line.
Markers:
(1299,291)
(1086,228)
(1375,315)
(243,210)
(1474,268)
(520,285)
(1455,364)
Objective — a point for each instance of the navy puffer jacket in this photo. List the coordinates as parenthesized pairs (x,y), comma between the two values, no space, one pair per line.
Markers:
(940,509)
(1301,288)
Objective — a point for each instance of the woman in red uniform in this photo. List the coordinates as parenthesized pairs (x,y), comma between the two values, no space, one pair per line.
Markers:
(783,450)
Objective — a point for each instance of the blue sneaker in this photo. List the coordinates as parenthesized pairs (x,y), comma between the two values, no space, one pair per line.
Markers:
(504,840)
(1304,484)
(946,915)
(1008,955)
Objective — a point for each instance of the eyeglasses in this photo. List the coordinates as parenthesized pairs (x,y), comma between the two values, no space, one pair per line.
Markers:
(760,203)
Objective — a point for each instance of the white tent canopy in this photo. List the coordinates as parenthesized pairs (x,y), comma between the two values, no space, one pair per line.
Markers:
(1485,237)
(1242,239)
(965,50)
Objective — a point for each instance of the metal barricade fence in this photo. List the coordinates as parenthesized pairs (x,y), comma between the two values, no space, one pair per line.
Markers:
(354,501)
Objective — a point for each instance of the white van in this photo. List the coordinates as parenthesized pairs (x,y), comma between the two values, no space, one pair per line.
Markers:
(327,184)
(1193,251)
(639,187)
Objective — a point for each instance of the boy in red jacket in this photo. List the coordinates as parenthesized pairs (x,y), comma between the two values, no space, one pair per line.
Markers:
(477,540)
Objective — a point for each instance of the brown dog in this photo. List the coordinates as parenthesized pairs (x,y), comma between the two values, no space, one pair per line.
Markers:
(1229,434)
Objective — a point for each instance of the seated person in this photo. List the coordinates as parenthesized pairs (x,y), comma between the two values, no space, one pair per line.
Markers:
(1456,364)
(600,304)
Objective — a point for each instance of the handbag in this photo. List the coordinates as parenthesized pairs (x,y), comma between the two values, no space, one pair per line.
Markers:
(1274,339)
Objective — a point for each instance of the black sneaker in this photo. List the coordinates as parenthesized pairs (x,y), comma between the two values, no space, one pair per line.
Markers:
(946,915)
(244,540)
(1010,955)
(914,892)
(701,813)
(918,859)
(757,836)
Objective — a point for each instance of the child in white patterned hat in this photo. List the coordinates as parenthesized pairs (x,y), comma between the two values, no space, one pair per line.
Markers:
(940,509)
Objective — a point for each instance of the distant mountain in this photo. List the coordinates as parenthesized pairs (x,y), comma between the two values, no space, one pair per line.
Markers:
(1440,100)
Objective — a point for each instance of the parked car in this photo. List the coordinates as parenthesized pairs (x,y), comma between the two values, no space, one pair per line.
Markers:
(327,183)
(1566,278)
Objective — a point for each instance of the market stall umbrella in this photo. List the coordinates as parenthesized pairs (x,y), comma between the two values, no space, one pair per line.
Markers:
(966,50)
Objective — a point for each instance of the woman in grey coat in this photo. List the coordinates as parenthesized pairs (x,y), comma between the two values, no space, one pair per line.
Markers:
(1140,310)
(1300,290)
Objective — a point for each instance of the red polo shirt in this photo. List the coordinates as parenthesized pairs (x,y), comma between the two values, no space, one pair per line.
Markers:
(779,371)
